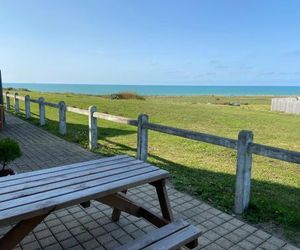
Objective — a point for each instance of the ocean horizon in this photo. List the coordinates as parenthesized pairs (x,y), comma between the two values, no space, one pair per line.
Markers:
(160,90)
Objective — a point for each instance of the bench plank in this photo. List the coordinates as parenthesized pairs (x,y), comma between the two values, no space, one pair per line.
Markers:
(154,236)
(171,236)
(177,239)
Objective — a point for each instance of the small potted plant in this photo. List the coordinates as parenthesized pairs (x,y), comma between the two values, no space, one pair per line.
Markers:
(9,151)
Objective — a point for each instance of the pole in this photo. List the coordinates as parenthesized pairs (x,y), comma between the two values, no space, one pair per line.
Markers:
(1,94)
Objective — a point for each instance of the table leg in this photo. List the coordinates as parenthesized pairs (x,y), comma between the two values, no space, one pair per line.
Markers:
(117,212)
(19,231)
(163,198)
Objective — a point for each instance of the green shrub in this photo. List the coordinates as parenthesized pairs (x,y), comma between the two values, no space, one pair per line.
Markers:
(127,96)
(9,151)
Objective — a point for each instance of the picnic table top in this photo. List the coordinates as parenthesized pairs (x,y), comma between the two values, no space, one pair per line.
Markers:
(30,194)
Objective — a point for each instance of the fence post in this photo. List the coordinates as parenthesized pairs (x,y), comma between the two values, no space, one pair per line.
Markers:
(27,106)
(142,138)
(93,138)
(62,117)
(42,111)
(243,172)
(16,101)
(7,101)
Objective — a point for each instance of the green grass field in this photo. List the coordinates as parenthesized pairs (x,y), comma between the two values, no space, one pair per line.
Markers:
(204,170)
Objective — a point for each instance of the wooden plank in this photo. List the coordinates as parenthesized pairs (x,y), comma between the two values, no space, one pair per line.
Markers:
(93,131)
(212,139)
(117,212)
(115,118)
(125,204)
(34,100)
(19,231)
(177,239)
(17,103)
(243,172)
(10,95)
(275,153)
(163,199)
(65,180)
(19,97)
(142,138)
(47,178)
(27,106)
(73,185)
(155,236)
(121,203)
(51,104)
(88,192)
(62,118)
(41,173)
(1,115)
(78,110)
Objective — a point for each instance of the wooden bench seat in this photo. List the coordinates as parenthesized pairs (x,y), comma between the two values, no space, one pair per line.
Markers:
(171,236)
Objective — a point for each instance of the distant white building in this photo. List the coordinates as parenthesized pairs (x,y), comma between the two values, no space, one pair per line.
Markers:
(288,105)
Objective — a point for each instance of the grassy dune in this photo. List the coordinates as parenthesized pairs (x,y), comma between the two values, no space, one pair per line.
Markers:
(201,169)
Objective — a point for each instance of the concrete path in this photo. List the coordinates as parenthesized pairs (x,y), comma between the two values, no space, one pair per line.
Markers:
(92,228)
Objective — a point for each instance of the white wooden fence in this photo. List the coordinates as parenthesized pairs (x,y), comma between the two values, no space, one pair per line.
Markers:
(244,144)
(288,105)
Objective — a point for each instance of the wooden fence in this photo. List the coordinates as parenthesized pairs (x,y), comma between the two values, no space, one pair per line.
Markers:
(288,105)
(244,144)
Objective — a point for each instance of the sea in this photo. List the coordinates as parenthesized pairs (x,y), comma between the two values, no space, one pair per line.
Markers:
(159,90)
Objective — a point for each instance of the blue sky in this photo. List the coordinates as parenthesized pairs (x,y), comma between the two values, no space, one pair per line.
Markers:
(151,42)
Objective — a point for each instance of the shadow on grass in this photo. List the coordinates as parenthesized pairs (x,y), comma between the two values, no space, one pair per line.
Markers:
(76,132)
(218,190)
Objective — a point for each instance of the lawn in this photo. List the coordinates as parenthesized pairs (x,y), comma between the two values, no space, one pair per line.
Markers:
(204,170)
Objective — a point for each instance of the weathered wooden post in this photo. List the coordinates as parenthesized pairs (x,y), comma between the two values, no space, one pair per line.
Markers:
(142,138)
(93,138)
(27,106)
(62,117)
(16,102)
(7,101)
(1,97)
(42,111)
(243,172)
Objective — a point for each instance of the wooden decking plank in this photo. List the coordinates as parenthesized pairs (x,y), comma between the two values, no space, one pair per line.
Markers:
(155,236)
(53,190)
(92,169)
(177,239)
(89,193)
(10,180)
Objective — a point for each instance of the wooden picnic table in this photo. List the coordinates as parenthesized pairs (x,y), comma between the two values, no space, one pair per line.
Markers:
(27,198)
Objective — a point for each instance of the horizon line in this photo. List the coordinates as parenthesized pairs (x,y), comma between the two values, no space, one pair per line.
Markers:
(160,84)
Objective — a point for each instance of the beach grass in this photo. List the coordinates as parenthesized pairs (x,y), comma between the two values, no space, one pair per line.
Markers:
(201,169)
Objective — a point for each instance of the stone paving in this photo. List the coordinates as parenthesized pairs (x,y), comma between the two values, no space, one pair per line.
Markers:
(92,228)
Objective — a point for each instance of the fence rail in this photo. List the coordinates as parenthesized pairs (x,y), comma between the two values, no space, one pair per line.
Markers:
(115,118)
(78,110)
(212,139)
(244,144)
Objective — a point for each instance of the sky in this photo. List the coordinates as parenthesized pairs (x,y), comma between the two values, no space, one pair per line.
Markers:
(205,42)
